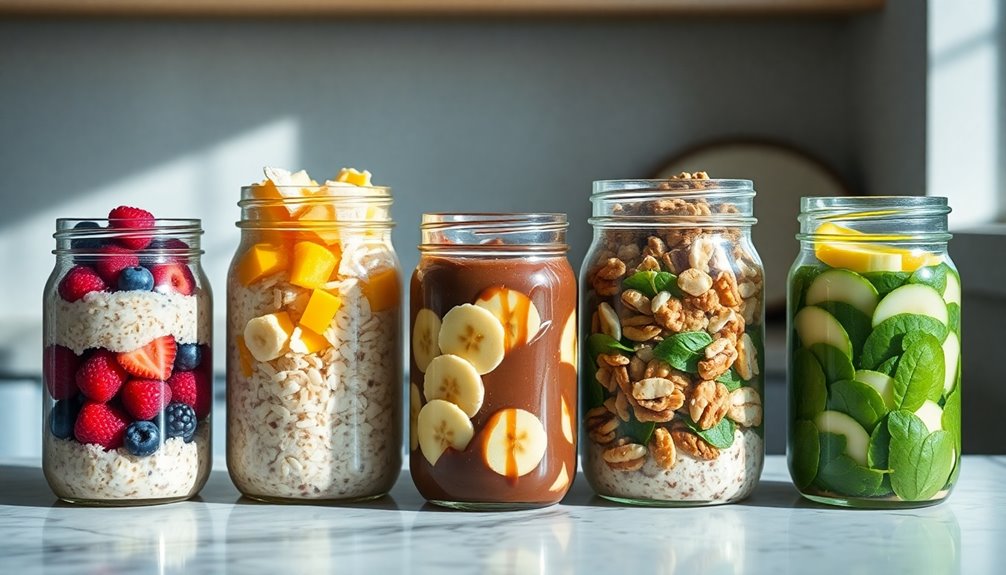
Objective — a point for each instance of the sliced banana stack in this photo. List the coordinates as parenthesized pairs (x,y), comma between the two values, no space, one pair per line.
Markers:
(516,313)
(425,334)
(567,421)
(514,442)
(474,334)
(415,404)
(267,337)
(454,379)
(561,481)
(440,425)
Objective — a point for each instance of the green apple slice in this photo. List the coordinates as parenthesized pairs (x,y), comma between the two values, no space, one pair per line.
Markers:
(814,325)
(951,356)
(856,439)
(846,287)
(952,293)
(930,414)
(883,383)
(916,299)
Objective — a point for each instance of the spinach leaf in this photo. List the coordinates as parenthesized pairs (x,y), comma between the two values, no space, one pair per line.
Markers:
(951,421)
(640,432)
(683,350)
(920,372)
(836,365)
(932,276)
(650,283)
(595,394)
(840,473)
(730,379)
(859,401)
(885,340)
(810,391)
(720,435)
(886,282)
(920,461)
(599,343)
(804,453)
(856,323)
(889,366)
(879,450)
(799,280)
(954,314)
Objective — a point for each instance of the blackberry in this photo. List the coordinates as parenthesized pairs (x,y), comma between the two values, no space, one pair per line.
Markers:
(142,438)
(180,421)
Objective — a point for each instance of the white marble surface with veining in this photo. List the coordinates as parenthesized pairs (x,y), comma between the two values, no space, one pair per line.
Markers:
(774,532)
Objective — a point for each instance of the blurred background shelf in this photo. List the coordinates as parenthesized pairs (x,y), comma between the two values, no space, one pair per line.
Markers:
(310,8)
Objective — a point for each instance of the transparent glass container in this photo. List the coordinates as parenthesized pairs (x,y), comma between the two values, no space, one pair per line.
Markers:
(671,374)
(493,361)
(874,351)
(127,365)
(314,370)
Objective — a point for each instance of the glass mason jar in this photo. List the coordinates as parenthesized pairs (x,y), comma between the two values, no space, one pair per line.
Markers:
(126,364)
(314,370)
(492,370)
(874,353)
(671,374)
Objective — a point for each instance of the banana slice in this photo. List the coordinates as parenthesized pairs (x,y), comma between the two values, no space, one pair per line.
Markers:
(268,337)
(567,421)
(562,481)
(425,332)
(520,319)
(567,343)
(515,442)
(453,379)
(440,425)
(474,334)
(415,404)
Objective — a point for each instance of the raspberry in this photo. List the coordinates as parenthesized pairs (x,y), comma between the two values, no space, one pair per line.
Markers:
(165,251)
(173,278)
(100,376)
(78,282)
(193,388)
(59,368)
(129,219)
(145,398)
(101,423)
(114,259)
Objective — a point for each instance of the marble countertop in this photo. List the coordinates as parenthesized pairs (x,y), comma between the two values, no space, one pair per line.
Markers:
(774,531)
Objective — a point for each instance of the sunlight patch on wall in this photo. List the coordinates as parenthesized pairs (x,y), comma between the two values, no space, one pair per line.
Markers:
(963,110)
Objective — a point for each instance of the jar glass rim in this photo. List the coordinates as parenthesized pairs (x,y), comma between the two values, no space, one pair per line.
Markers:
(495,233)
(68,234)
(875,219)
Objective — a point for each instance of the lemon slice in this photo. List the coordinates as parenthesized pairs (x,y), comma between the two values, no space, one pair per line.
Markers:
(863,257)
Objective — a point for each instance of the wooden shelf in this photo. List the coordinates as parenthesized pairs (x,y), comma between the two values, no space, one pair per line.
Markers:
(427,8)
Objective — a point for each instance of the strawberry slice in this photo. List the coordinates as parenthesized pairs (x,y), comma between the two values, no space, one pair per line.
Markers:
(173,278)
(152,361)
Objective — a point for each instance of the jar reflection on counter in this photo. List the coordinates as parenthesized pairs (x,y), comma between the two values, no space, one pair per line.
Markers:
(127,364)
(314,346)
(493,376)
(672,362)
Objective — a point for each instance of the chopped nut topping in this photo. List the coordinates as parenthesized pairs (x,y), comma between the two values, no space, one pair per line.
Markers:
(726,288)
(694,282)
(601,425)
(747,358)
(662,448)
(708,404)
(693,445)
(628,457)
(745,407)
(644,333)
(612,359)
(720,356)
(608,320)
(637,301)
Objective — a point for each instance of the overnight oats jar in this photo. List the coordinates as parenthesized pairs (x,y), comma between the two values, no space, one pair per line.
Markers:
(314,371)
(671,364)
(492,389)
(127,368)
(874,345)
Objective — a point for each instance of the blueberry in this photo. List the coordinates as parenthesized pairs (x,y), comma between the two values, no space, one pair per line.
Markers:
(137,278)
(142,438)
(180,421)
(188,357)
(63,416)
(86,244)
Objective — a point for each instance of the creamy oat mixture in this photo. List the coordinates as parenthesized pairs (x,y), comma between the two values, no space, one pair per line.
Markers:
(89,473)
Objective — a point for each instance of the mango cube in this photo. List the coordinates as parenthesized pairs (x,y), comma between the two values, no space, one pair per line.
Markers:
(354,177)
(261,260)
(320,310)
(312,265)
(244,356)
(382,289)
(306,341)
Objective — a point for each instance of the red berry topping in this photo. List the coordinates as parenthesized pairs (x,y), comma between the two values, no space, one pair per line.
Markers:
(102,424)
(114,259)
(173,278)
(152,361)
(130,219)
(100,376)
(78,282)
(59,369)
(193,388)
(145,398)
